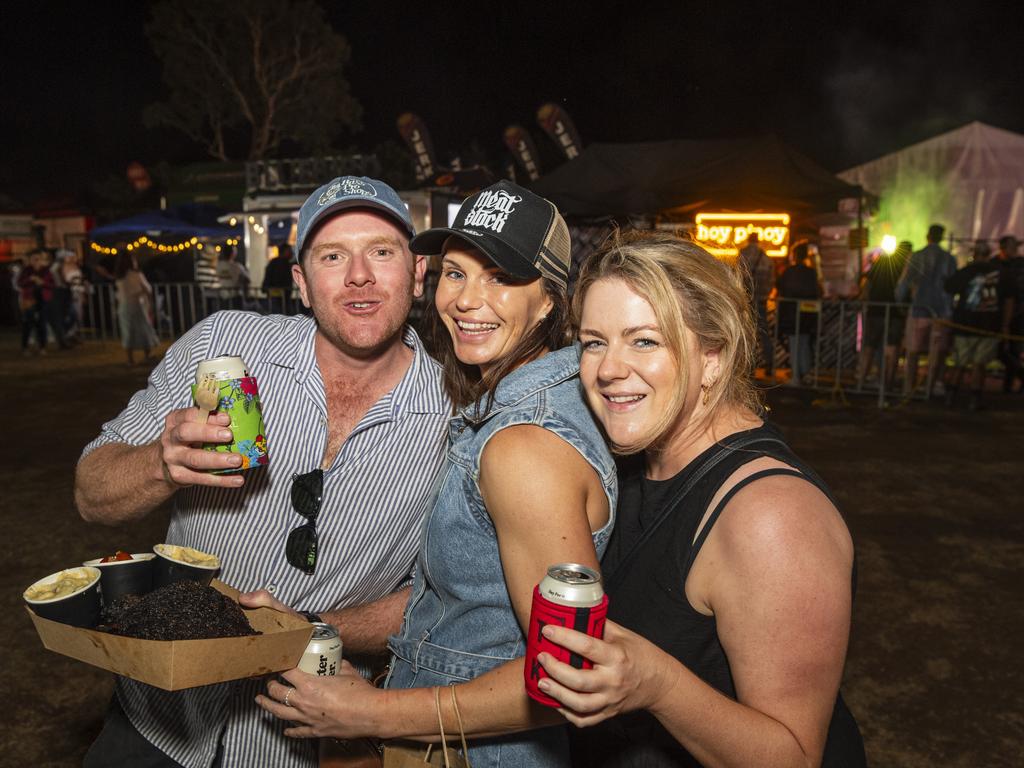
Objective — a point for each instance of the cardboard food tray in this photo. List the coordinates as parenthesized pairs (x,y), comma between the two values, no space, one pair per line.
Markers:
(177,664)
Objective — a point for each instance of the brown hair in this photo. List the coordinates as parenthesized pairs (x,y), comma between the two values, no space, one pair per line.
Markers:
(464,384)
(125,263)
(687,288)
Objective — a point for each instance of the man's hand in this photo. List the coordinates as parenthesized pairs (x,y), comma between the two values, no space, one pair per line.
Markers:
(118,482)
(184,462)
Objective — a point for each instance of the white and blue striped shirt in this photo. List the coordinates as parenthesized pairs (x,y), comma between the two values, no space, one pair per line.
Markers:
(375,495)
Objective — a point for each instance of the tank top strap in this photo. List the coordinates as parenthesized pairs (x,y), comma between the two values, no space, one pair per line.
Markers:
(717,511)
(703,467)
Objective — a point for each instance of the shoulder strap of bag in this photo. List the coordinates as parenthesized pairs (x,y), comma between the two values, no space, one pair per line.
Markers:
(440,724)
(677,498)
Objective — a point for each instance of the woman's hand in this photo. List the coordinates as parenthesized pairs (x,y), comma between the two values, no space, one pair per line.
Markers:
(629,673)
(341,706)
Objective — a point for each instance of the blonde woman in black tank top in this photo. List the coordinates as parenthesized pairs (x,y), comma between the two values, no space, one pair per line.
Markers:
(730,573)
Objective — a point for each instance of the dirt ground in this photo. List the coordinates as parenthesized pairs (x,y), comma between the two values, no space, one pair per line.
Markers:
(932,497)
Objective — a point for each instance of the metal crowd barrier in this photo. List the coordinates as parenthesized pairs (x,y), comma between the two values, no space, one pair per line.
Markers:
(179,306)
(839,361)
(836,329)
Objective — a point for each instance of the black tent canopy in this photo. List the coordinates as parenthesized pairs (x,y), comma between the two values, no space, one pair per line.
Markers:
(724,174)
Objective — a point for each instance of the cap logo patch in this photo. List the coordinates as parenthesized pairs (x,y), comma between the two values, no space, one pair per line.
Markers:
(346,187)
(491,210)
(329,194)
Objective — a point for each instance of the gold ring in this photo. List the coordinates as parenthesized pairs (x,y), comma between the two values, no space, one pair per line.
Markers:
(286,695)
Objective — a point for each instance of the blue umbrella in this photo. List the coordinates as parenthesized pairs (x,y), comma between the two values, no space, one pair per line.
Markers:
(159,224)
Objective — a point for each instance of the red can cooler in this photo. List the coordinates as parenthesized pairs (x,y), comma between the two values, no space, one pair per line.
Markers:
(570,596)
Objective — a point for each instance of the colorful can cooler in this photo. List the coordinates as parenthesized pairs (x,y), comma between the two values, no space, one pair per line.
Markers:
(570,596)
(240,399)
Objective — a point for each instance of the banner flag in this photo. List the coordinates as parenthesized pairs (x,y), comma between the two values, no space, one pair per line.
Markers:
(415,134)
(523,149)
(559,126)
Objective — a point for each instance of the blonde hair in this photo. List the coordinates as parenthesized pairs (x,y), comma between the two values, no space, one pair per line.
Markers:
(687,288)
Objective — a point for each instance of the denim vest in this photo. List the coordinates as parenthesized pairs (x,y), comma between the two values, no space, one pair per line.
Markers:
(459,622)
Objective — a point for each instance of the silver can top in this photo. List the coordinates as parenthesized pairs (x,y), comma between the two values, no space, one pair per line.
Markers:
(572,584)
(223,367)
(323,631)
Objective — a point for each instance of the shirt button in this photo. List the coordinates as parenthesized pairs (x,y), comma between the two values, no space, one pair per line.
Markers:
(272,589)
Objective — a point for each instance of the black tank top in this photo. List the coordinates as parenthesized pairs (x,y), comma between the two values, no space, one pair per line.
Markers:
(645,568)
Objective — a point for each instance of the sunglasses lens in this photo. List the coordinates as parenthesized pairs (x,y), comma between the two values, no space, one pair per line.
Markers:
(307,491)
(300,550)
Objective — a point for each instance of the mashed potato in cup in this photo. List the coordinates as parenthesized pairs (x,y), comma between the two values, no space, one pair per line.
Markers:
(71,596)
(188,555)
(176,562)
(66,583)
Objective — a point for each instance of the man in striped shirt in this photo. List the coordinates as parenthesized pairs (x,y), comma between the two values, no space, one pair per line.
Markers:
(350,400)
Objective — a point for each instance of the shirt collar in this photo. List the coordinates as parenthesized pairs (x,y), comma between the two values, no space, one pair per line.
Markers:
(296,349)
(419,391)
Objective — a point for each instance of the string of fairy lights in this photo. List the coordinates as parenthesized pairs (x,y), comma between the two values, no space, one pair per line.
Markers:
(145,242)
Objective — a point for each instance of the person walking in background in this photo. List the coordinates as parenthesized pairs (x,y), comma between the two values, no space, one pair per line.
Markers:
(58,309)
(134,307)
(71,275)
(799,291)
(884,324)
(234,280)
(1013,314)
(1008,245)
(206,279)
(35,292)
(923,285)
(53,308)
(760,280)
(277,279)
(980,291)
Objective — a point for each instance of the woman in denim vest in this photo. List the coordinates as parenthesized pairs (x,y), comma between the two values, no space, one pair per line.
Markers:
(529,482)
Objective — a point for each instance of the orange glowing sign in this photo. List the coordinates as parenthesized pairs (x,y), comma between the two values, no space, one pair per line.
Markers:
(724,234)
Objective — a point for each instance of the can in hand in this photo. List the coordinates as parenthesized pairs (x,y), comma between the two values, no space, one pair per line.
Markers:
(322,656)
(569,596)
(240,399)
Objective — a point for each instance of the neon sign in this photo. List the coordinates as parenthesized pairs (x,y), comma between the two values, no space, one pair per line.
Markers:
(724,234)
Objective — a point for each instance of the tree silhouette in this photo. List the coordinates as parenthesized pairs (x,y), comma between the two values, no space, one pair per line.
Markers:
(262,72)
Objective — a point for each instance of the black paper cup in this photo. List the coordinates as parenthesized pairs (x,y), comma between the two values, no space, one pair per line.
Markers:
(168,569)
(80,608)
(124,577)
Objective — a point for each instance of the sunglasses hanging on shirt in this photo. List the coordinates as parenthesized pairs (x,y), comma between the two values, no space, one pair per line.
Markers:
(307,496)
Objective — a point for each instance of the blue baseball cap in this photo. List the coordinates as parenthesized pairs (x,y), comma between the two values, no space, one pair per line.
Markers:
(349,192)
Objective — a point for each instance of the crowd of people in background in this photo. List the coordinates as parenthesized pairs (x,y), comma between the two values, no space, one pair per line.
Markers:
(57,296)
(51,290)
(920,302)
(911,305)
(915,304)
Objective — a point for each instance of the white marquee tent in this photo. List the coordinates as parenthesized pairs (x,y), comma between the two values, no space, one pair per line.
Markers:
(971,180)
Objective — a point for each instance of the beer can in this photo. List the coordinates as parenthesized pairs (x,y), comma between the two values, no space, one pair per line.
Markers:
(239,397)
(322,656)
(222,368)
(570,596)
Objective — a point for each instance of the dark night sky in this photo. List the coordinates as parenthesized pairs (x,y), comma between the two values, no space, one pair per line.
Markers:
(843,86)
